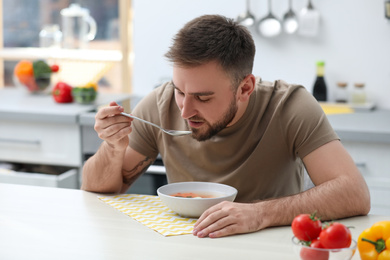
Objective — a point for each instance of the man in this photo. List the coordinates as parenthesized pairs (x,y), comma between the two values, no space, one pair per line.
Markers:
(254,135)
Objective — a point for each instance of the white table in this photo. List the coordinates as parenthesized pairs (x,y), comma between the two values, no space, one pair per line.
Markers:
(54,223)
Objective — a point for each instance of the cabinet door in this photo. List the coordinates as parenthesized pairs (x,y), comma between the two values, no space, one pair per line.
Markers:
(40,143)
(380,194)
(373,161)
(66,179)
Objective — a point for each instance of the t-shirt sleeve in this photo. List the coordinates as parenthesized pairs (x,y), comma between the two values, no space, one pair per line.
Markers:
(308,127)
(143,136)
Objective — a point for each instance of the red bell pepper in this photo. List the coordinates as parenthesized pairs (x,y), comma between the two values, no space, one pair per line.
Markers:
(62,93)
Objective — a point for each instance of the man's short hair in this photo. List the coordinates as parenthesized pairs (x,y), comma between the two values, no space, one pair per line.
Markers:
(214,38)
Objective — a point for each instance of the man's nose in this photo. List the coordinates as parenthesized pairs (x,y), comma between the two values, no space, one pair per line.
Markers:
(187,110)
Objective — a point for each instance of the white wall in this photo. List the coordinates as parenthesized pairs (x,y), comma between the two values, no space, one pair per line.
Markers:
(354,41)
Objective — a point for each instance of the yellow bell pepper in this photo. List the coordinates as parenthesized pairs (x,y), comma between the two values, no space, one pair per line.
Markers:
(374,242)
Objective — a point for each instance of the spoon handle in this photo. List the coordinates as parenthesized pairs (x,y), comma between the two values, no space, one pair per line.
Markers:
(137,118)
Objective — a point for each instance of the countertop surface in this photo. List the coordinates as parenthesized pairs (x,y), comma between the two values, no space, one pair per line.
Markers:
(18,104)
(372,126)
(53,223)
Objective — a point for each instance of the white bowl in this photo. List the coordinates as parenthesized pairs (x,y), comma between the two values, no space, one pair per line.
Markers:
(194,207)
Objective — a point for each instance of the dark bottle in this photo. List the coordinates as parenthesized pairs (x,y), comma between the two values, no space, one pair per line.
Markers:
(319,89)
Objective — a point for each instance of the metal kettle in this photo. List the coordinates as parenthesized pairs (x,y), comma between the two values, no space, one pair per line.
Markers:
(78,27)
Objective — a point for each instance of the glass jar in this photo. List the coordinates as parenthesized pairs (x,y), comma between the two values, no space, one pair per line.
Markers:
(50,36)
(341,92)
(359,94)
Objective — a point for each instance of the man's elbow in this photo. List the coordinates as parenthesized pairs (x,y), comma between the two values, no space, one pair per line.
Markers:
(362,200)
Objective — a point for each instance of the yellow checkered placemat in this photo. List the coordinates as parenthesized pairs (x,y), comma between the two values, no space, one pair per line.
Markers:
(150,211)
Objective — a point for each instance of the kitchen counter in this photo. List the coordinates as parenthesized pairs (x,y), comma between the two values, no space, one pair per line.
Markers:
(18,105)
(365,126)
(53,223)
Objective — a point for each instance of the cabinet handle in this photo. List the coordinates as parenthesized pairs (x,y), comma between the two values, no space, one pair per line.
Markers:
(361,164)
(19,141)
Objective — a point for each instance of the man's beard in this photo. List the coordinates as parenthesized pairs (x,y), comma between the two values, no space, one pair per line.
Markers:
(218,126)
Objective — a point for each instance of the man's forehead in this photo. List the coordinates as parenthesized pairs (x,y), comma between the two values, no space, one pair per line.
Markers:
(206,78)
(195,92)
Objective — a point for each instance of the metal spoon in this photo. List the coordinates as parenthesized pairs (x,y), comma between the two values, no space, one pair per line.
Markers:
(170,132)
(290,20)
(246,19)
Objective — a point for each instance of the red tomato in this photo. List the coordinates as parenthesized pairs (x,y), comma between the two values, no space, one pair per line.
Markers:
(336,235)
(312,254)
(54,68)
(62,93)
(306,227)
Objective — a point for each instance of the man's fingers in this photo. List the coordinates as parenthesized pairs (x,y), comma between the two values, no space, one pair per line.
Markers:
(201,223)
(119,129)
(211,220)
(219,221)
(113,103)
(225,231)
(227,218)
(113,109)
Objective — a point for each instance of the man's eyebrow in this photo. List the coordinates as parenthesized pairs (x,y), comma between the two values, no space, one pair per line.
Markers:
(204,93)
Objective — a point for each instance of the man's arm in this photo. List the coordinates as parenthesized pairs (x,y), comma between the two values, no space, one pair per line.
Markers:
(109,171)
(115,166)
(340,192)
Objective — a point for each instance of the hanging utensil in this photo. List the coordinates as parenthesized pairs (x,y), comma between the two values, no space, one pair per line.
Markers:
(269,26)
(309,20)
(246,19)
(290,20)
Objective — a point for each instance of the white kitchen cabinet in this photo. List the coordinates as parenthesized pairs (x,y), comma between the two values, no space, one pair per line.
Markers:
(40,143)
(373,161)
(366,136)
(67,179)
(36,130)
(380,195)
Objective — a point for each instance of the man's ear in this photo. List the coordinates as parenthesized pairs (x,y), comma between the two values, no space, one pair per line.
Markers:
(246,88)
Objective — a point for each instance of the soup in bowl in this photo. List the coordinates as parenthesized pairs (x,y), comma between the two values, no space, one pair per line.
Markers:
(191,199)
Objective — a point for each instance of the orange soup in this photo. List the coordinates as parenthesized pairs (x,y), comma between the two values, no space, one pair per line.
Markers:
(194,195)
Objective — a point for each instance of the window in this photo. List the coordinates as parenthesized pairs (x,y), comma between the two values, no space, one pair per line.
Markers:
(24,19)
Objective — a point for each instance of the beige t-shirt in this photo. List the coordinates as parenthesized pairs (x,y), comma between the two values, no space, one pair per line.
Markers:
(260,155)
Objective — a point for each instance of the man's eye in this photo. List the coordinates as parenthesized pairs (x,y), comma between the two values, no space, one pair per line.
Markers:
(179,93)
(203,99)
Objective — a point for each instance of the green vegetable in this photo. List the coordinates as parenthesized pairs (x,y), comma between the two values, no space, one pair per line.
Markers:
(42,73)
(84,95)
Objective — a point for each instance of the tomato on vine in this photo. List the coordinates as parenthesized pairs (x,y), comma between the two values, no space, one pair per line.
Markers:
(336,235)
(306,227)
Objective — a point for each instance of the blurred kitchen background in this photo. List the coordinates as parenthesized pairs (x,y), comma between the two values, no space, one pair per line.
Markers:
(126,58)
(353,38)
